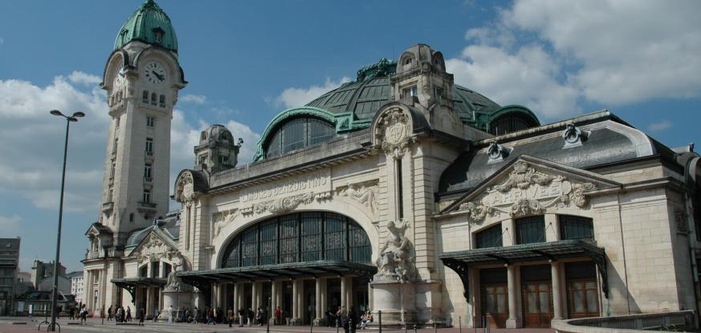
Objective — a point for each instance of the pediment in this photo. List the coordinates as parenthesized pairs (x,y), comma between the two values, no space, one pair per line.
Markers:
(98,230)
(530,185)
(154,247)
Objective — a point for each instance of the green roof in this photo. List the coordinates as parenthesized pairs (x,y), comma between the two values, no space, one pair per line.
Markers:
(148,24)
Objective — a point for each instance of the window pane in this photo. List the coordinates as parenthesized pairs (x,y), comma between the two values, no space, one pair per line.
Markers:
(576,227)
(490,237)
(293,135)
(530,230)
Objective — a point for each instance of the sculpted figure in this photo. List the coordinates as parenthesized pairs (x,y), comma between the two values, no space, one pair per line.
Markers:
(395,258)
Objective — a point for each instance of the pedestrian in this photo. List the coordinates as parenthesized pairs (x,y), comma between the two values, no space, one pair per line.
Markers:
(110,313)
(278,316)
(142,314)
(83,315)
(170,314)
(128,313)
(250,316)
(230,316)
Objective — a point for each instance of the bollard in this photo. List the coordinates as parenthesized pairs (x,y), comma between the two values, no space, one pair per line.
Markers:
(460,324)
(379,316)
(435,326)
(404,327)
(311,326)
(415,328)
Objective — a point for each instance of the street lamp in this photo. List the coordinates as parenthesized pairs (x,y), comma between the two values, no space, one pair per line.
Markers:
(54,293)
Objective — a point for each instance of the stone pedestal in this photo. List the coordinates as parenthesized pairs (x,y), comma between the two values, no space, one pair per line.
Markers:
(396,301)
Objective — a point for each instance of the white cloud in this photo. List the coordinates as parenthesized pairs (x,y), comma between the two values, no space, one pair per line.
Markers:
(197,99)
(611,52)
(293,97)
(525,77)
(84,78)
(31,166)
(626,51)
(10,225)
(659,126)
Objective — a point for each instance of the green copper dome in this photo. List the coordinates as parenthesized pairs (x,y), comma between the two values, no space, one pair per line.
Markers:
(148,24)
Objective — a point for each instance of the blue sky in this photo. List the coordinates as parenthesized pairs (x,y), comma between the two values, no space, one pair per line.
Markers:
(246,61)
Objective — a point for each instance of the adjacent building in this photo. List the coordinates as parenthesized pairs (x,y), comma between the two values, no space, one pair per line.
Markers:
(9,267)
(77,285)
(399,192)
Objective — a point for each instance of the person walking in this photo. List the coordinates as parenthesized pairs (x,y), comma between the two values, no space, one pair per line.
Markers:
(128,313)
(230,316)
(142,314)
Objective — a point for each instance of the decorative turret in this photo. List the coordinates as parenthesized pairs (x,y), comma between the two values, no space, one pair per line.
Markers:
(217,150)
(421,74)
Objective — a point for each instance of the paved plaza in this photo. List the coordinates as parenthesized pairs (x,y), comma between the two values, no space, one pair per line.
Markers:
(24,325)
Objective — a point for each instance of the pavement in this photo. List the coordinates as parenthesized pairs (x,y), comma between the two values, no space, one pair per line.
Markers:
(97,325)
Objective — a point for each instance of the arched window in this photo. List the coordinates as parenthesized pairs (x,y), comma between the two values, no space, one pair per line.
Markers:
(491,237)
(576,227)
(153,98)
(530,230)
(144,96)
(162,101)
(299,133)
(299,237)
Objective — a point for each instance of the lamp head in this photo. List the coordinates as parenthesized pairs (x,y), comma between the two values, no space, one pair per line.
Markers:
(78,114)
(56,113)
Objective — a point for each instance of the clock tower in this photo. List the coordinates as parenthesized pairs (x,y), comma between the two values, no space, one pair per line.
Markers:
(142,78)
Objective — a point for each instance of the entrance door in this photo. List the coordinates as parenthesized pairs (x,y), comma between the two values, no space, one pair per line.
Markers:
(536,296)
(537,309)
(494,296)
(582,294)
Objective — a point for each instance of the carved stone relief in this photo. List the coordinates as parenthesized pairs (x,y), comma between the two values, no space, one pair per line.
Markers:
(527,191)
(223,218)
(394,133)
(185,188)
(364,193)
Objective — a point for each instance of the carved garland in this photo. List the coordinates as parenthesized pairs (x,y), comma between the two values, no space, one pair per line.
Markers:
(522,178)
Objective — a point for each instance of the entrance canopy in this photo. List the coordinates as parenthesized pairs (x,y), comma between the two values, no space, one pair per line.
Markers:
(549,251)
(130,284)
(203,279)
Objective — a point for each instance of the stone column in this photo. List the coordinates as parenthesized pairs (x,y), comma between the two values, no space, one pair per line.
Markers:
(274,299)
(148,308)
(324,304)
(255,297)
(298,291)
(344,292)
(557,296)
(235,300)
(318,312)
(513,321)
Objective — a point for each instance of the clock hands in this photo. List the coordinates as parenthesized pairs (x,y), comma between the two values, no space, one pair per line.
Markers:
(159,76)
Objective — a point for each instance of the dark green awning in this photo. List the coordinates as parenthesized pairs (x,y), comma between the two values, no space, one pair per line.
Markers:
(460,261)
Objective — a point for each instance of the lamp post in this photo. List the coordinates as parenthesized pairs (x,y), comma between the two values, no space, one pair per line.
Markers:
(54,293)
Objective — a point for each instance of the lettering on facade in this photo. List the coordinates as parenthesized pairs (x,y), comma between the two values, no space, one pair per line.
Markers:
(527,191)
(317,182)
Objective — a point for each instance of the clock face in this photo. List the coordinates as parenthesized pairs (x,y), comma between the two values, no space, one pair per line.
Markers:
(154,72)
(119,80)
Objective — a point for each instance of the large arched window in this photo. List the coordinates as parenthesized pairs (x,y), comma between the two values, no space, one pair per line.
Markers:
(299,237)
(299,133)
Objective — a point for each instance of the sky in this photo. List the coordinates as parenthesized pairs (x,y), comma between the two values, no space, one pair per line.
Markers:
(247,61)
